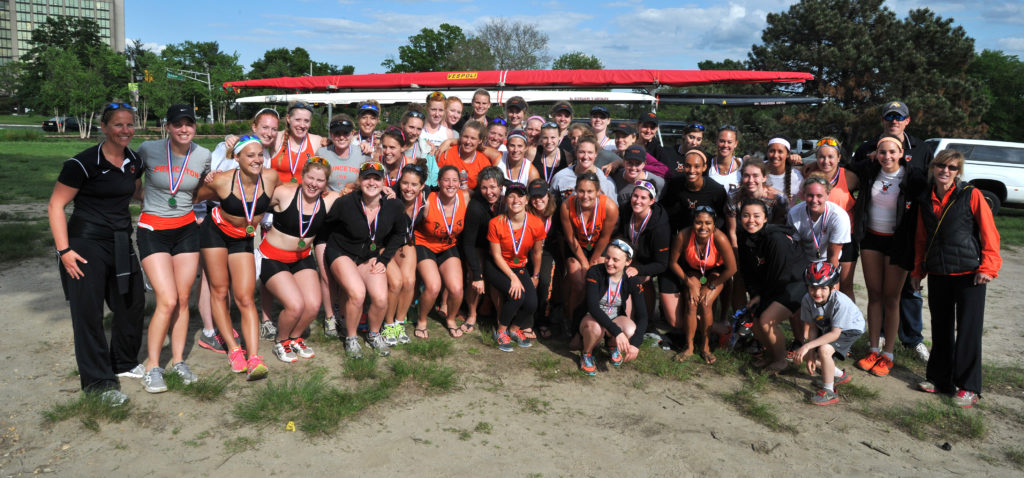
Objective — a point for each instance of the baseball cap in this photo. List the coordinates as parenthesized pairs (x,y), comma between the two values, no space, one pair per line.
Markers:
(634,153)
(515,187)
(599,110)
(343,126)
(368,108)
(648,117)
(562,106)
(625,128)
(371,168)
(896,107)
(177,112)
(539,188)
(516,102)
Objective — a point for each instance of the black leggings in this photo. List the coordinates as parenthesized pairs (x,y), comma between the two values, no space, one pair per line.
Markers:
(518,311)
(958,316)
(544,288)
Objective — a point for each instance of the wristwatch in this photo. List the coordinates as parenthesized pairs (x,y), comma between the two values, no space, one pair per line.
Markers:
(61,252)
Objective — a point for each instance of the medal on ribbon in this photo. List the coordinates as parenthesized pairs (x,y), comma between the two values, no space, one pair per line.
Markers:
(249,208)
(373,230)
(304,230)
(516,244)
(173,184)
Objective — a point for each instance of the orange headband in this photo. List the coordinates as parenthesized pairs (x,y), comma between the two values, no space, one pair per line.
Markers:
(895,141)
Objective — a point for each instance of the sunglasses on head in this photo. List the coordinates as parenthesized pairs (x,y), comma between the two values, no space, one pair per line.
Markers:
(696,126)
(319,160)
(499,121)
(415,114)
(300,104)
(371,166)
(248,137)
(114,106)
(437,95)
(727,127)
(414,167)
(827,142)
(266,111)
(549,124)
(368,107)
(951,167)
(894,117)
(340,124)
(706,209)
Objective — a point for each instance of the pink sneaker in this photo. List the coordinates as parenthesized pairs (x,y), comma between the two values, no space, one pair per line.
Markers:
(237,359)
(257,369)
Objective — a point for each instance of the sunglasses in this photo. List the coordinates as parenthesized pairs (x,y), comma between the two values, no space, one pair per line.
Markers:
(267,111)
(114,106)
(248,137)
(827,142)
(894,117)
(341,124)
(727,127)
(415,114)
(371,166)
(815,179)
(437,95)
(415,168)
(499,121)
(300,104)
(951,167)
(696,126)
(706,209)
(319,160)
(548,125)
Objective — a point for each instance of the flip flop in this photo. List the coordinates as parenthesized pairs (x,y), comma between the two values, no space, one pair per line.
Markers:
(467,327)
(420,333)
(682,356)
(453,330)
(528,333)
(708,357)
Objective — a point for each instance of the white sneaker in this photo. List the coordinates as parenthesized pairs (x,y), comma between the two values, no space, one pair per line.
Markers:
(922,352)
(136,372)
(301,349)
(154,380)
(183,371)
(390,334)
(268,331)
(113,398)
(283,352)
(330,327)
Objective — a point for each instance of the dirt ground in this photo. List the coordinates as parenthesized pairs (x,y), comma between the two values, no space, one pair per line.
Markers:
(619,423)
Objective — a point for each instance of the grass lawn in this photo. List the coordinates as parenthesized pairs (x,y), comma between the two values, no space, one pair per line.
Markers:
(24,119)
(1010,223)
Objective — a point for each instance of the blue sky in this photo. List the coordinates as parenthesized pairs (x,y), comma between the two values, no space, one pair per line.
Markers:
(622,33)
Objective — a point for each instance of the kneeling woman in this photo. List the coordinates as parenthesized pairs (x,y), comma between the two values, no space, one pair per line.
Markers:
(702,259)
(287,266)
(436,240)
(366,231)
(607,312)
(226,246)
(507,273)
(771,261)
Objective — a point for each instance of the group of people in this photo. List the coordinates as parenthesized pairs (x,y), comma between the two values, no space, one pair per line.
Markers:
(556,228)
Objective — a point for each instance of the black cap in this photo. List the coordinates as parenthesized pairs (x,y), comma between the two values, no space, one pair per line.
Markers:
(648,117)
(515,187)
(562,106)
(341,127)
(896,107)
(625,128)
(598,109)
(177,112)
(516,102)
(539,188)
(635,153)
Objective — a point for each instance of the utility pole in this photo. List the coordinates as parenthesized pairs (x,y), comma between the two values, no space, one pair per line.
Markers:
(176,74)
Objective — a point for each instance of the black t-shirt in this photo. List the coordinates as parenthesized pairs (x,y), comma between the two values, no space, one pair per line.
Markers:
(668,156)
(104,190)
(680,202)
(350,232)
(462,122)
(474,234)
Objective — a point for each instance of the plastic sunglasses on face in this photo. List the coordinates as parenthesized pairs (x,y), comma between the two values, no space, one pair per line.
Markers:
(951,167)
(894,117)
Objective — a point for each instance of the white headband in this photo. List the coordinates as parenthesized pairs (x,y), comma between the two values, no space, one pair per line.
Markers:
(781,141)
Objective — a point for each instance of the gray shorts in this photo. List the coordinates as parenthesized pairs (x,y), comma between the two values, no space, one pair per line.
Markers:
(844,342)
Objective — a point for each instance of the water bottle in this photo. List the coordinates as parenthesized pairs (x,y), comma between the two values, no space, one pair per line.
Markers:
(464,179)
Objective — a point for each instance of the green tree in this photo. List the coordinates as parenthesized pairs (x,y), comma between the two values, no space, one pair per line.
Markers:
(472,54)
(203,57)
(428,50)
(1003,78)
(280,62)
(577,60)
(70,88)
(515,45)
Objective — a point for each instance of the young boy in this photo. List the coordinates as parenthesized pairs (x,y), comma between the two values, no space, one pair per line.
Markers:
(838,323)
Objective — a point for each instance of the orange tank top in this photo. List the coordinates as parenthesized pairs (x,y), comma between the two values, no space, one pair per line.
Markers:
(587,227)
(840,193)
(433,233)
(289,164)
(713,259)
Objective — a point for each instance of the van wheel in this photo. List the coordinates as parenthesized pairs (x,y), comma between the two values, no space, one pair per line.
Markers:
(993,201)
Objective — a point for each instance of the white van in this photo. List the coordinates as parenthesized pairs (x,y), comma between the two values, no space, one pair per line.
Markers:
(994,167)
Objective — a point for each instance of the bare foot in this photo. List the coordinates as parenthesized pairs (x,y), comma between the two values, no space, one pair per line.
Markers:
(684,355)
(708,357)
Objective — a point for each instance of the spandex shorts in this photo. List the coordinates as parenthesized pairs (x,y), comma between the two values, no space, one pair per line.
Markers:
(422,254)
(181,240)
(211,237)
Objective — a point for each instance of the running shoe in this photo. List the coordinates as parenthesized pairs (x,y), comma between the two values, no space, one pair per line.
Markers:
(214,343)
(400,331)
(301,349)
(257,369)
(867,363)
(352,348)
(187,377)
(921,351)
(840,380)
(237,359)
(137,371)
(113,398)
(504,341)
(283,351)
(330,327)
(882,367)
(390,334)
(268,331)
(615,355)
(791,350)
(825,397)
(519,338)
(926,386)
(376,342)
(965,399)
(587,364)
(154,380)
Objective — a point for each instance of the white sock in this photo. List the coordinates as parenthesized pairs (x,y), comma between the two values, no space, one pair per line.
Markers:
(209,332)
(889,356)
(829,386)
(876,350)
(839,373)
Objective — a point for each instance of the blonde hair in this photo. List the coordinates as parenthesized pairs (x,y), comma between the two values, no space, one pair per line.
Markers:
(946,156)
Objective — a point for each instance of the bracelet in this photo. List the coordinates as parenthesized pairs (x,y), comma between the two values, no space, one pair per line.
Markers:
(61,252)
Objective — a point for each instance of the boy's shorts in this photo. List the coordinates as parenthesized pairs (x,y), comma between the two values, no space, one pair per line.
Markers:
(844,342)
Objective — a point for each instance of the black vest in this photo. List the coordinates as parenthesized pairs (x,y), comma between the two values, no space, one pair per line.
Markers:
(954,247)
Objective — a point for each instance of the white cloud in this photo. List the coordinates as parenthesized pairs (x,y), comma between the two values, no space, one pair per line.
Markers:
(153,47)
(1012,46)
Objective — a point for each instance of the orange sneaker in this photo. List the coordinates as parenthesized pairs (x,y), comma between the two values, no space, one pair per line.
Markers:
(882,367)
(867,363)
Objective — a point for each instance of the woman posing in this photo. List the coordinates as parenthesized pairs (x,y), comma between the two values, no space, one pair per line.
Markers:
(168,238)
(841,183)
(958,249)
(725,169)
(548,157)
(588,222)
(402,269)
(483,206)
(226,246)
(368,115)
(516,242)
(703,260)
(612,310)
(287,267)
(437,238)
(367,230)
(752,186)
(434,130)
(823,226)
(544,205)
(97,260)
(514,164)
(644,224)
(295,144)
(781,175)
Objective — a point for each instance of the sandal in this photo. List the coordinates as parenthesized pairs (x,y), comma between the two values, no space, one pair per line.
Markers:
(453,330)
(708,357)
(683,356)
(528,333)
(544,331)
(467,327)
(420,333)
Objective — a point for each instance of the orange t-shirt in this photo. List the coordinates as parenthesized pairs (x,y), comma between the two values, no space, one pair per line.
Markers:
(451,157)
(432,232)
(285,160)
(840,193)
(498,232)
(578,229)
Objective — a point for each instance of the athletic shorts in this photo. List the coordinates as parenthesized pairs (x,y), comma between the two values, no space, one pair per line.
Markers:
(789,297)
(850,252)
(668,283)
(422,254)
(211,237)
(181,240)
(331,254)
(876,242)
(273,260)
(844,342)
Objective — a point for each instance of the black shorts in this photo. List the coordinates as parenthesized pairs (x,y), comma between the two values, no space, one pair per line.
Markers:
(789,297)
(331,254)
(876,242)
(844,342)
(422,254)
(270,267)
(669,283)
(850,252)
(180,240)
(211,237)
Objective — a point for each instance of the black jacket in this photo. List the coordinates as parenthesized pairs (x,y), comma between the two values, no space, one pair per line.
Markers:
(651,249)
(911,187)
(350,233)
(770,259)
(597,287)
